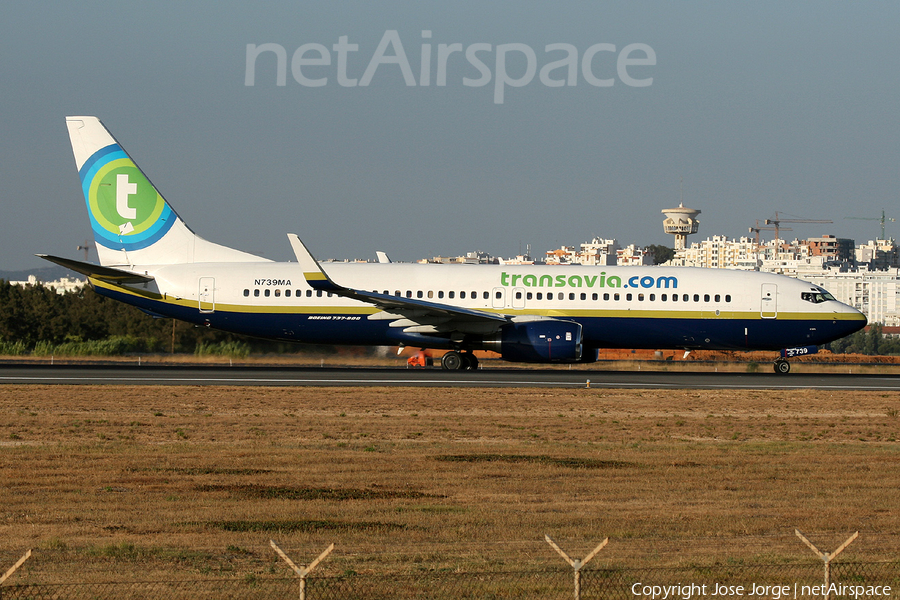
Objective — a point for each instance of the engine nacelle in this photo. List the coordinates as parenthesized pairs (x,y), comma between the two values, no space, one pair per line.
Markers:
(549,340)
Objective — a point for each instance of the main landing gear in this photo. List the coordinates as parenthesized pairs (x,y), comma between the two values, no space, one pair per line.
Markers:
(459,361)
(782,367)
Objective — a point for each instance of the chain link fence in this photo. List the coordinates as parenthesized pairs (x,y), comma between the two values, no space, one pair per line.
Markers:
(553,584)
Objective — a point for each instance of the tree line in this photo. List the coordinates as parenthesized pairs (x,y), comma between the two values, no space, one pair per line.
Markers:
(34,319)
(870,341)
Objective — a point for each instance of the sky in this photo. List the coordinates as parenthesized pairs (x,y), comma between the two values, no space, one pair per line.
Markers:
(744,109)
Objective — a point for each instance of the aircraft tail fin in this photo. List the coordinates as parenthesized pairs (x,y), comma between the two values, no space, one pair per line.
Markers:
(132,223)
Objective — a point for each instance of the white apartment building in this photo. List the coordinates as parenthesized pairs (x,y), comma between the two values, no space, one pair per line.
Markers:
(874,293)
(60,286)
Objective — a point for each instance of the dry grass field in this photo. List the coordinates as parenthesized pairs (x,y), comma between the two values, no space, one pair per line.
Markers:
(120,483)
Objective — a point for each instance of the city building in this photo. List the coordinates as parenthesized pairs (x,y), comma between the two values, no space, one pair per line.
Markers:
(61,286)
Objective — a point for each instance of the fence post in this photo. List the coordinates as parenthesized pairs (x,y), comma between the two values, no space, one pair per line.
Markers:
(18,564)
(826,556)
(576,564)
(301,571)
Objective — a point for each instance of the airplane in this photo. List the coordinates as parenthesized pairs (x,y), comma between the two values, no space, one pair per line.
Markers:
(151,259)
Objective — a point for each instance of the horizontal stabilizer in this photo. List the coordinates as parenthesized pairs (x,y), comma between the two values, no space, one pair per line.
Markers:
(98,272)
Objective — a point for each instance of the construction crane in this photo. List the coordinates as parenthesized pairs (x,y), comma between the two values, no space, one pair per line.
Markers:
(778,221)
(757,229)
(86,247)
(882,219)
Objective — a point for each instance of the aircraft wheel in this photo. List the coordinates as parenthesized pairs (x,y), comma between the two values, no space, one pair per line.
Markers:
(452,361)
(469,361)
(473,361)
(782,367)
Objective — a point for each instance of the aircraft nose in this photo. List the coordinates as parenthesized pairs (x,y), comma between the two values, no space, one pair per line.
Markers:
(854,319)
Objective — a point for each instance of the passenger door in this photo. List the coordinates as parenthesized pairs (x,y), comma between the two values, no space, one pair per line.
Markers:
(518,298)
(498,297)
(207,300)
(769,301)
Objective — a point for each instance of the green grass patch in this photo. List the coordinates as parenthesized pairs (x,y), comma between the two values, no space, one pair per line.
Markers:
(18,348)
(112,346)
(232,349)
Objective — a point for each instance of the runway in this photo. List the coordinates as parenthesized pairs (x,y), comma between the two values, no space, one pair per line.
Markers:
(131,375)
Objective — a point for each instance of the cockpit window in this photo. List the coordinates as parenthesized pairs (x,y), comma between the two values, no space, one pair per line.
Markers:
(817,296)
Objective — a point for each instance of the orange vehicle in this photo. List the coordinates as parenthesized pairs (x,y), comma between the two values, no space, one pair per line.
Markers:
(422,358)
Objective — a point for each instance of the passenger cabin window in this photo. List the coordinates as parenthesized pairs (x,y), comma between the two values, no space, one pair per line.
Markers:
(267,293)
(450,294)
(462,295)
(440,294)
(256,293)
(246,292)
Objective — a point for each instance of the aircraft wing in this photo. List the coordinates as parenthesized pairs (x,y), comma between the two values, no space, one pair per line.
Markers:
(109,274)
(415,315)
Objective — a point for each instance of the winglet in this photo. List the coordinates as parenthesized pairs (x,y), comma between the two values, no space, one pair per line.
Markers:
(312,272)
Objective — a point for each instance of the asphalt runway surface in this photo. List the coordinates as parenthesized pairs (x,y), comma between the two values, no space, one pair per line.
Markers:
(133,374)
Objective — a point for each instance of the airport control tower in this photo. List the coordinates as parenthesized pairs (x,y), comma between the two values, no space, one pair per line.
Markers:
(681,222)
